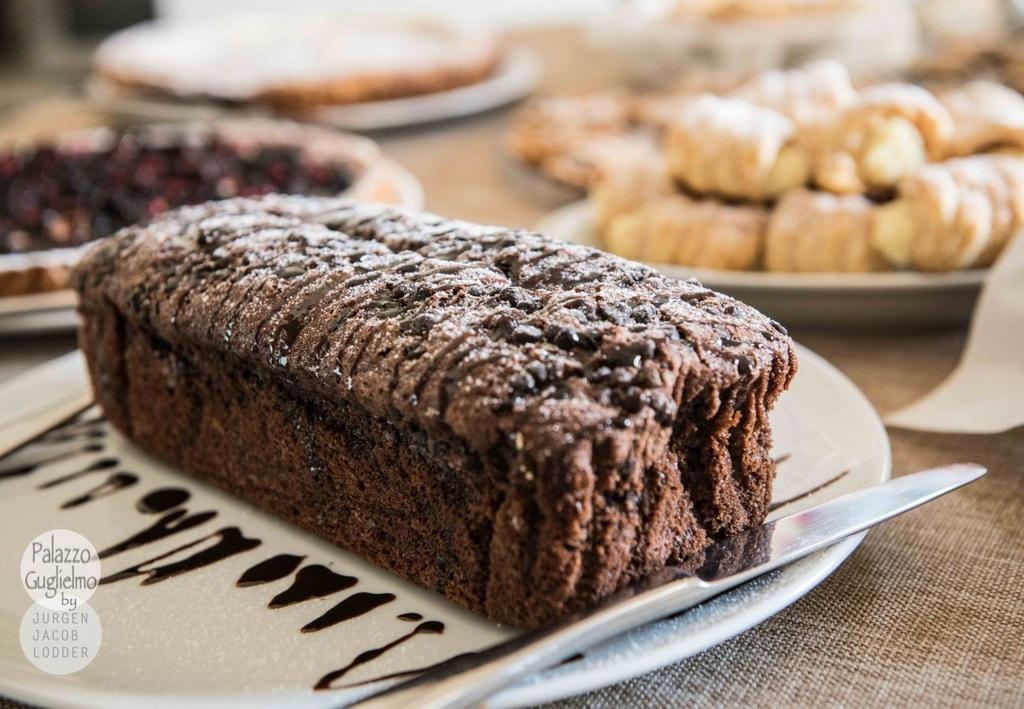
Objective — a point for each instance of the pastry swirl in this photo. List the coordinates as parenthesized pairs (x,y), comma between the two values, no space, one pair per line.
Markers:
(819,232)
(734,149)
(953,215)
(891,131)
(676,229)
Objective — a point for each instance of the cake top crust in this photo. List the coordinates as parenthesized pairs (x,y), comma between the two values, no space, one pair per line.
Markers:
(500,336)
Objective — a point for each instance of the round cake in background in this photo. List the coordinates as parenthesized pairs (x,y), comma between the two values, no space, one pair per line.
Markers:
(87,184)
(297,61)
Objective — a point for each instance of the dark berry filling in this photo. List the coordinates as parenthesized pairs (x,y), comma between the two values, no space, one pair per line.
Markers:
(50,198)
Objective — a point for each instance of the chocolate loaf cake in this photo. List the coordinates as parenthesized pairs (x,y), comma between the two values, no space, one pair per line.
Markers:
(521,424)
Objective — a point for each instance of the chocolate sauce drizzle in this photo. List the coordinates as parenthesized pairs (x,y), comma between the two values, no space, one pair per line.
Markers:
(171,523)
(163,499)
(113,483)
(782,503)
(95,467)
(314,581)
(75,429)
(230,541)
(436,666)
(27,468)
(273,569)
(410,617)
(65,436)
(433,627)
(76,425)
(409,673)
(352,607)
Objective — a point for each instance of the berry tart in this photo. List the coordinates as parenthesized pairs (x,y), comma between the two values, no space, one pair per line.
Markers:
(84,185)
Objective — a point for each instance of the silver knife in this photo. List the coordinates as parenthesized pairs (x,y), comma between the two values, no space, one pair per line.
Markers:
(728,563)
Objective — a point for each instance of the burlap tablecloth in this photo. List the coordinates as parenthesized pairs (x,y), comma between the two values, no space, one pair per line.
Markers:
(929,611)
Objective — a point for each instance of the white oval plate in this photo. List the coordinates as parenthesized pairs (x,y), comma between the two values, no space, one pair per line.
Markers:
(896,299)
(198,640)
(515,77)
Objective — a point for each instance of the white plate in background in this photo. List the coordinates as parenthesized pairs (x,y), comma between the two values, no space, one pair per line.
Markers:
(834,300)
(198,640)
(515,77)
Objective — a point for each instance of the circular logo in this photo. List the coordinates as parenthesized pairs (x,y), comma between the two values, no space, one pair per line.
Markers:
(61,641)
(60,569)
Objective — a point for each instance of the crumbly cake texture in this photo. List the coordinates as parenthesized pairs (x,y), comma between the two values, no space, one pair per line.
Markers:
(521,424)
(300,61)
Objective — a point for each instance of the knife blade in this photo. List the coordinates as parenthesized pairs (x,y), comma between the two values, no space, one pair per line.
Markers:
(727,564)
